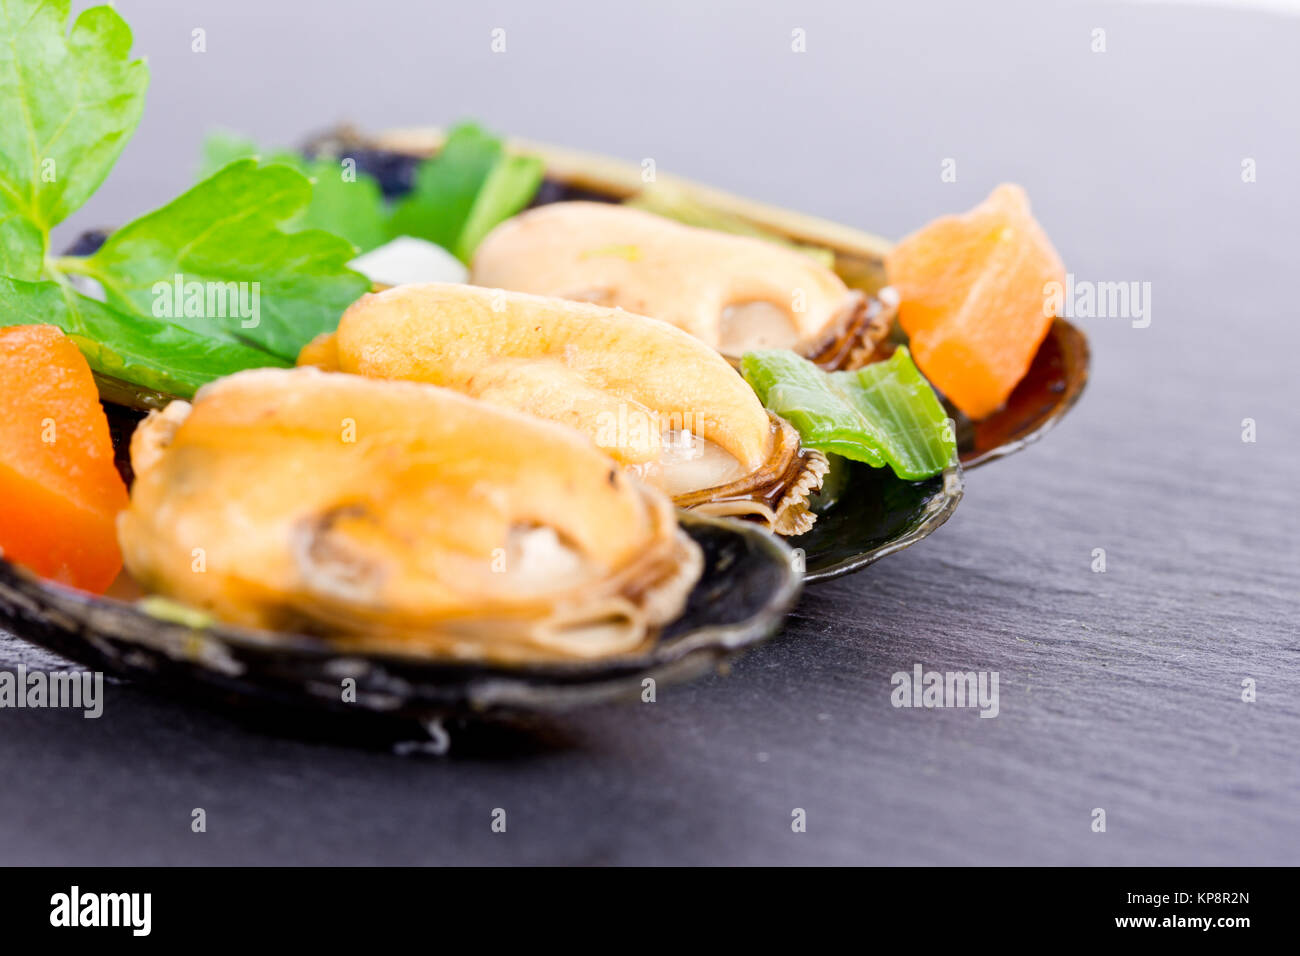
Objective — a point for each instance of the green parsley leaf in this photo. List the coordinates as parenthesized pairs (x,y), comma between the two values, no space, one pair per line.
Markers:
(458,197)
(351,207)
(145,352)
(71,103)
(22,246)
(445,188)
(225,230)
(221,148)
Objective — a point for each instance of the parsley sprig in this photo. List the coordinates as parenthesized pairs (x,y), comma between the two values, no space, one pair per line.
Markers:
(285,229)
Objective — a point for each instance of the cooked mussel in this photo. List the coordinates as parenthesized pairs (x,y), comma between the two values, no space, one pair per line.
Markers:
(660,402)
(735,293)
(389,516)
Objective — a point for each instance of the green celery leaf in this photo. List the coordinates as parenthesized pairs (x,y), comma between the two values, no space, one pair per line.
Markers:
(509,188)
(145,352)
(885,413)
(446,187)
(71,102)
(227,229)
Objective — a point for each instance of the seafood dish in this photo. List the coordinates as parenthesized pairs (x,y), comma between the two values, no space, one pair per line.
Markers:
(662,404)
(470,530)
(475,424)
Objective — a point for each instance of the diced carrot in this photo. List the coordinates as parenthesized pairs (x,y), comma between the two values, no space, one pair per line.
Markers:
(972,291)
(59,490)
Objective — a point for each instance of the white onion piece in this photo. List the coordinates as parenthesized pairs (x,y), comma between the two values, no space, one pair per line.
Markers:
(406,260)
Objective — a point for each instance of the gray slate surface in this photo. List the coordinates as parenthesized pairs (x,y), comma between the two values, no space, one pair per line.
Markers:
(1118,690)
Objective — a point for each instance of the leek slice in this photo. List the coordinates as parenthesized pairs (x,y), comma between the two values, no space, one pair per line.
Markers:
(883,414)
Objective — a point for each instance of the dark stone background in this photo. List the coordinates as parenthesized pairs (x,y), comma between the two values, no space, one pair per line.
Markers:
(1118,690)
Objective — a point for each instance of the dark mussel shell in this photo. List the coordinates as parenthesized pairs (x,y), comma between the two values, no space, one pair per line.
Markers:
(750,580)
(1053,384)
(875,514)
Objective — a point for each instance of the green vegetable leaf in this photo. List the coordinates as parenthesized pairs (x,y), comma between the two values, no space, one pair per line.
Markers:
(22,246)
(351,205)
(221,148)
(71,103)
(457,198)
(805,396)
(352,208)
(146,352)
(883,414)
(446,187)
(217,260)
(509,188)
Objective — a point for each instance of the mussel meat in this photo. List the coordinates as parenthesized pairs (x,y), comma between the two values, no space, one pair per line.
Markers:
(660,402)
(735,293)
(394,516)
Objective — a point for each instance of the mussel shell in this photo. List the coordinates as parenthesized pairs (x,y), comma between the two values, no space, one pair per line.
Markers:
(875,515)
(749,582)
(1054,383)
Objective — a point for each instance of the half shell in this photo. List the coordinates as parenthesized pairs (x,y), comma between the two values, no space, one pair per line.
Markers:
(749,582)
(385,515)
(663,404)
(735,293)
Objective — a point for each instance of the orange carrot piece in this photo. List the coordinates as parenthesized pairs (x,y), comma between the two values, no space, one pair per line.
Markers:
(59,490)
(972,292)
